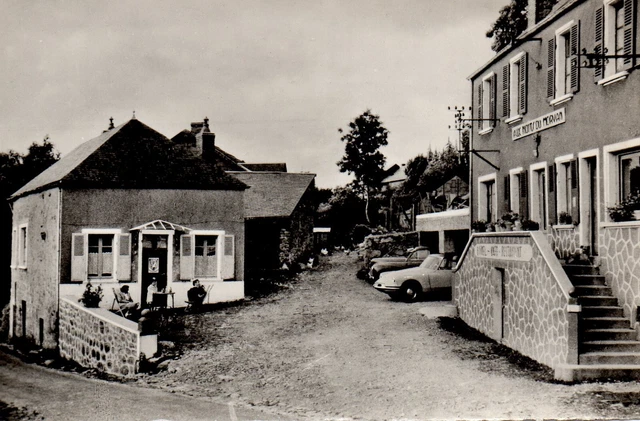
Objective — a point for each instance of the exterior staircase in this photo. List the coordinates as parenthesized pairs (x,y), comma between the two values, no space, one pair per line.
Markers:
(608,346)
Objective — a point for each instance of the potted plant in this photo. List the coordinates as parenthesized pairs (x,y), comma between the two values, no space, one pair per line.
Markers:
(91,296)
(479,226)
(507,220)
(627,210)
(565,218)
(529,225)
(490,227)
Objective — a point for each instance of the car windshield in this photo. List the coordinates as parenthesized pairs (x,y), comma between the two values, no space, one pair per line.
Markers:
(431,262)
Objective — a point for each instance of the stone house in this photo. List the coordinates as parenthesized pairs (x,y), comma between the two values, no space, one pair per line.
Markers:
(123,208)
(556,111)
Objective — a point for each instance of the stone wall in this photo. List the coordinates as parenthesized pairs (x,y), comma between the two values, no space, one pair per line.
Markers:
(619,250)
(99,339)
(534,298)
(565,241)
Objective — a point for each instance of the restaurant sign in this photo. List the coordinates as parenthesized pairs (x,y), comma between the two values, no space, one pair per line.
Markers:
(539,124)
(516,252)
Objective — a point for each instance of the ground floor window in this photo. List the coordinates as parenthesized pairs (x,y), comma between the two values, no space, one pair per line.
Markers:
(629,174)
(621,171)
(487,198)
(539,194)
(100,257)
(207,254)
(206,258)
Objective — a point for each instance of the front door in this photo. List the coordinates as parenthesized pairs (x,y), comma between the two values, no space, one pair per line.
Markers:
(154,262)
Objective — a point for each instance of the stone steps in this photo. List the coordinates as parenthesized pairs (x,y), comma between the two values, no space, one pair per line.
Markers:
(608,347)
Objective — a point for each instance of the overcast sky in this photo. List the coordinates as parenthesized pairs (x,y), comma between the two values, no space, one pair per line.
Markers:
(276,78)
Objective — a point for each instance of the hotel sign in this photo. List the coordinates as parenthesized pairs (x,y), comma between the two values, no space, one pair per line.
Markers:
(516,252)
(539,124)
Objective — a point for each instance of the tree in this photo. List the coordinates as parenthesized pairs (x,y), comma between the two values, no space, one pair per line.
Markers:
(362,156)
(15,171)
(513,19)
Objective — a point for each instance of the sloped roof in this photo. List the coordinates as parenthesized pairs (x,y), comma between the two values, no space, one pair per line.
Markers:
(273,194)
(275,167)
(132,155)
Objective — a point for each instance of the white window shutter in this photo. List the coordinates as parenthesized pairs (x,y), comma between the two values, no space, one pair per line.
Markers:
(187,261)
(124,257)
(78,258)
(228,258)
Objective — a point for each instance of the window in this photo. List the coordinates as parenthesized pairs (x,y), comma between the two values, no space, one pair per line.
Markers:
(563,78)
(515,185)
(100,258)
(23,246)
(206,259)
(514,88)
(614,34)
(564,183)
(629,165)
(487,104)
(621,171)
(487,198)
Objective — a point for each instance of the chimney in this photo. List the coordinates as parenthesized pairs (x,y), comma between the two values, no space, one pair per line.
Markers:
(205,140)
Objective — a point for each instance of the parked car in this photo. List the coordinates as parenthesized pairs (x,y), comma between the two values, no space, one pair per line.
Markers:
(432,276)
(379,265)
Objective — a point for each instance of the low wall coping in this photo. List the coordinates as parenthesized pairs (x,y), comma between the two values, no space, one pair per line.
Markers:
(105,315)
(444,214)
(548,255)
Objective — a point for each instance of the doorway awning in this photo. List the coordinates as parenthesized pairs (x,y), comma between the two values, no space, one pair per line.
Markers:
(160,225)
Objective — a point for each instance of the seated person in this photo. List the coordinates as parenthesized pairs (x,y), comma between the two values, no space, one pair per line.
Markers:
(127,305)
(196,294)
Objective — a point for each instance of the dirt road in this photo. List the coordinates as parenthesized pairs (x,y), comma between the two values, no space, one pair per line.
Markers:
(331,347)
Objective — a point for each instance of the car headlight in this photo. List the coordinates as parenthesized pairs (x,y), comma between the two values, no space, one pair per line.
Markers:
(386,278)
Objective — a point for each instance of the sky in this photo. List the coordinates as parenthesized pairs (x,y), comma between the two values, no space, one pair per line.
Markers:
(276,78)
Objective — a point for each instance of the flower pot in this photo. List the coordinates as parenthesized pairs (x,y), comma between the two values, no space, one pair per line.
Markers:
(508,226)
(636,215)
(517,226)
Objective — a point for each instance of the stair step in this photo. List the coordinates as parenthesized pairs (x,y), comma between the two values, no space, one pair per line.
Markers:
(587,279)
(602,311)
(593,290)
(609,334)
(610,346)
(581,269)
(573,372)
(610,358)
(605,323)
(596,300)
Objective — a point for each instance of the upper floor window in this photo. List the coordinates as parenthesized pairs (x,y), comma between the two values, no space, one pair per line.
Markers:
(514,88)
(23,245)
(487,103)
(614,34)
(563,77)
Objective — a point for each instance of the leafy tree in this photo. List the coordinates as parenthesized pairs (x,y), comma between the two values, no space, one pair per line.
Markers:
(342,211)
(513,19)
(15,171)
(362,156)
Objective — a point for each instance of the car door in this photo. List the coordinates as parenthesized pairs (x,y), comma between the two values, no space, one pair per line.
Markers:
(441,278)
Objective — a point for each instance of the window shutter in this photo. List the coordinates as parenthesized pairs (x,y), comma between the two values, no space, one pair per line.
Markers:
(124,257)
(599,42)
(551,72)
(524,195)
(522,84)
(575,191)
(228,258)
(553,211)
(492,101)
(187,261)
(629,36)
(505,90)
(14,248)
(480,105)
(574,42)
(507,193)
(78,258)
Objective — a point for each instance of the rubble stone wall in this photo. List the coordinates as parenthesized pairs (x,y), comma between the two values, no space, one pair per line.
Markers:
(534,317)
(565,241)
(99,339)
(619,250)
(395,244)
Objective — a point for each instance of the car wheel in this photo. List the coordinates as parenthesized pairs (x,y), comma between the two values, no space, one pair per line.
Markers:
(410,291)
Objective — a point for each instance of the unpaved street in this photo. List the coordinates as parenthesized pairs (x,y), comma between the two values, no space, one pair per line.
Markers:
(331,346)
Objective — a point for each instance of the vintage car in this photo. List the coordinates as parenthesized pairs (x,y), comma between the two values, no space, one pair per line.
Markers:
(434,275)
(379,265)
